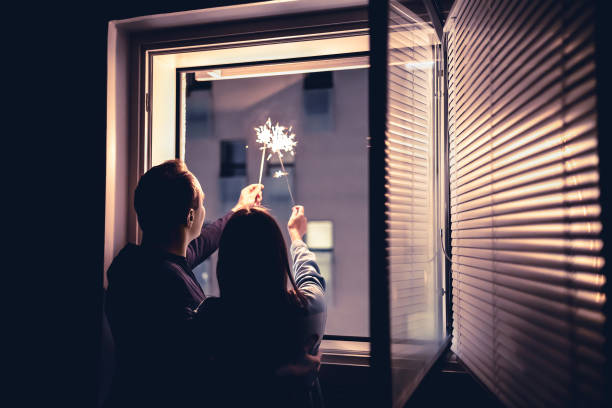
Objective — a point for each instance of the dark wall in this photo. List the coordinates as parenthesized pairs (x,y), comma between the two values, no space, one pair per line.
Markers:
(55,139)
(54,92)
(604,107)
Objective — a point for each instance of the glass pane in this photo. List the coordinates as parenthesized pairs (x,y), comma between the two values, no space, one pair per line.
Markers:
(328,113)
(320,235)
(415,276)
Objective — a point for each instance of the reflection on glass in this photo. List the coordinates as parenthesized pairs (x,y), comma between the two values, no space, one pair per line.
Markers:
(414,264)
(329,175)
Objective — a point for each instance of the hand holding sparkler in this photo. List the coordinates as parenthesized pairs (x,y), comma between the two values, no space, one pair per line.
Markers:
(250,196)
(297,223)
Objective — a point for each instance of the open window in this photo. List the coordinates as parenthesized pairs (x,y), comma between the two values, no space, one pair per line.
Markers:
(197,94)
(328,112)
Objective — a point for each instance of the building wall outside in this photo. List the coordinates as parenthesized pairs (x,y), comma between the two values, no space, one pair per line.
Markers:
(329,177)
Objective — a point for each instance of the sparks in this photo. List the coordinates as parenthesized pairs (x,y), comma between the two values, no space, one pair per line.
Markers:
(277,138)
(264,134)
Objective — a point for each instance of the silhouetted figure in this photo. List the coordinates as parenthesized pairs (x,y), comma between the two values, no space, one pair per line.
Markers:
(153,295)
(266,320)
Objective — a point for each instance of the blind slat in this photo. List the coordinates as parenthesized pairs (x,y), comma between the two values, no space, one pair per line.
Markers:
(547,259)
(485,186)
(579,298)
(546,322)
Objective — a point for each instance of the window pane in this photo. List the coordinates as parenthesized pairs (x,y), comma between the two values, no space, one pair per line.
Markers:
(412,221)
(233,158)
(328,113)
(320,235)
(200,114)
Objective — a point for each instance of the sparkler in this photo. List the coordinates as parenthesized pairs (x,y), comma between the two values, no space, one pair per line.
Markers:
(278,139)
(264,136)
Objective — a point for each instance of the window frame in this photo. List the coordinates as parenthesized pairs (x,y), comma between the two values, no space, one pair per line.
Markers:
(146,45)
(143,45)
(131,44)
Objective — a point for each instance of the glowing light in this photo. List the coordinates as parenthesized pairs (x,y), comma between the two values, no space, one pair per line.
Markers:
(419,64)
(278,139)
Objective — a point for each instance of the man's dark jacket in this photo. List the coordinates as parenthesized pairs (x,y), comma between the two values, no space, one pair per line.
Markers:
(161,348)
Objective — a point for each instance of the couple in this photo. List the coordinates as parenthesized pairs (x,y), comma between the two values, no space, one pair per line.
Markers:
(255,345)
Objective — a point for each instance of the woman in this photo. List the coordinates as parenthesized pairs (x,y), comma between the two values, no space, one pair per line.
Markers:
(266,320)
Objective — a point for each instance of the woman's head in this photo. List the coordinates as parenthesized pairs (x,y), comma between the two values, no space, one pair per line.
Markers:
(253,259)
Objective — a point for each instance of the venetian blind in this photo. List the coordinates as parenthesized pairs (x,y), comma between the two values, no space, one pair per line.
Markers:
(409,171)
(526,264)
(409,203)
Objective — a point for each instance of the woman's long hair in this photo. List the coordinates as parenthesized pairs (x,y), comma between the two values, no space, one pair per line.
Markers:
(256,321)
(253,262)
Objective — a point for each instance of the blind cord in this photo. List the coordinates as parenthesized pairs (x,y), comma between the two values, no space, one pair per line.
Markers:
(444,249)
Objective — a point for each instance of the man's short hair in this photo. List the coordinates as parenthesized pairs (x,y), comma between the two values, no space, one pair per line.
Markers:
(164,196)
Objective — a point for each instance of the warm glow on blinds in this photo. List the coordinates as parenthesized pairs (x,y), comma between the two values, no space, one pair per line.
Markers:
(409,152)
(524,200)
(409,176)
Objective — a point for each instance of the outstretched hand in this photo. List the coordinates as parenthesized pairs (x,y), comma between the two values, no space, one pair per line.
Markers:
(297,223)
(250,196)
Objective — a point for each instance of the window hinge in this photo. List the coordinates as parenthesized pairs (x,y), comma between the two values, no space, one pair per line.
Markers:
(147,107)
(442,291)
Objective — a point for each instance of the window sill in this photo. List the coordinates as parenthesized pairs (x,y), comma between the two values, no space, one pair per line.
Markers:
(344,352)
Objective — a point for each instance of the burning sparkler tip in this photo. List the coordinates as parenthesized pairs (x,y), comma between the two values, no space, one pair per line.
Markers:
(278,139)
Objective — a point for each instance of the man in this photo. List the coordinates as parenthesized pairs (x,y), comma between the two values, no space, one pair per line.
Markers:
(153,295)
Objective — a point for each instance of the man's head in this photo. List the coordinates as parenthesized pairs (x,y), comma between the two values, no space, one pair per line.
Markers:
(169,198)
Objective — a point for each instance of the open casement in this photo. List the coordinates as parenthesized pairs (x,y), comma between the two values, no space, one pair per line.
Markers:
(406,303)
(406,276)
(524,200)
